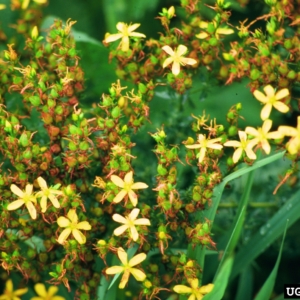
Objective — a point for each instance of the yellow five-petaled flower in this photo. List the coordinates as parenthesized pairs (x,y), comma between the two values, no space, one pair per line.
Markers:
(195,291)
(127,267)
(271,99)
(262,135)
(203,144)
(127,186)
(46,193)
(24,198)
(125,31)
(72,226)
(129,223)
(243,145)
(176,57)
(10,294)
(43,294)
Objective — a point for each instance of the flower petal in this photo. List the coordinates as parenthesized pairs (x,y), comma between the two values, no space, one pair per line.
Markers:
(31,209)
(260,96)
(137,34)
(250,153)
(124,279)
(237,155)
(28,189)
(43,203)
(42,183)
(202,35)
(120,219)
(133,27)
(122,256)
(282,107)
(288,130)
(168,61)
(125,43)
(133,214)
(169,50)
(120,230)
(176,68)
(63,222)
(72,215)
(267,125)
(265,112)
(128,178)
(201,154)
(15,205)
(121,26)
(133,233)
(137,259)
(232,144)
(16,190)
(52,291)
(133,197)
(139,185)
(187,61)
(119,197)
(269,90)
(182,289)
(85,225)
(54,200)
(79,236)
(117,181)
(142,221)
(206,288)
(281,94)
(114,270)
(181,50)
(113,37)
(64,235)
(40,289)
(138,274)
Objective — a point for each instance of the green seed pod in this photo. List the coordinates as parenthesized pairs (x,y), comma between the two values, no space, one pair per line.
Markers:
(23,140)
(232,130)
(115,113)
(84,146)
(72,146)
(161,170)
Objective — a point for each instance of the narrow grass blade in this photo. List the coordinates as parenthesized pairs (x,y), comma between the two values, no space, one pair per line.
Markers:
(221,281)
(268,233)
(245,285)
(266,290)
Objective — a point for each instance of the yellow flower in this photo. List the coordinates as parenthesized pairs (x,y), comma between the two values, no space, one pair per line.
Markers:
(195,291)
(72,226)
(46,193)
(44,294)
(127,186)
(125,31)
(34,33)
(25,198)
(129,223)
(243,145)
(2,6)
(271,99)
(127,267)
(262,135)
(10,294)
(176,57)
(26,3)
(218,32)
(203,144)
(293,146)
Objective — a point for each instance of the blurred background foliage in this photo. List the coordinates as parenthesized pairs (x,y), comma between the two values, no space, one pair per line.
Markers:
(173,111)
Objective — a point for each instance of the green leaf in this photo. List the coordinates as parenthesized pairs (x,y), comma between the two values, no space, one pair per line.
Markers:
(221,281)
(267,234)
(266,290)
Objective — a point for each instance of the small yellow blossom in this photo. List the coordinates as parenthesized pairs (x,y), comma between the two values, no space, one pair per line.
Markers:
(203,144)
(243,145)
(129,223)
(72,226)
(262,135)
(293,145)
(24,198)
(46,193)
(44,294)
(2,6)
(26,3)
(218,32)
(10,294)
(127,186)
(195,291)
(127,267)
(271,99)
(171,12)
(176,57)
(34,33)
(125,31)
